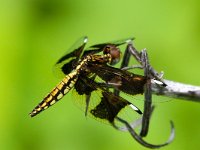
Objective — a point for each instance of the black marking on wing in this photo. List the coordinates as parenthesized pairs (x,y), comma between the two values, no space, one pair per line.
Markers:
(109,106)
(76,49)
(69,61)
(97,48)
(116,43)
(83,88)
(68,67)
(91,52)
(121,79)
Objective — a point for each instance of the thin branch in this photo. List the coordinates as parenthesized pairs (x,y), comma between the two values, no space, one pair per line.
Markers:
(177,90)
(147,95)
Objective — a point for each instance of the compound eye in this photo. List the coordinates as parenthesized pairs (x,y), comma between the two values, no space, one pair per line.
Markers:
(114,52)
(107,49)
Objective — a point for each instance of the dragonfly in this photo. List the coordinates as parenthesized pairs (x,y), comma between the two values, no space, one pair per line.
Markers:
(81,67)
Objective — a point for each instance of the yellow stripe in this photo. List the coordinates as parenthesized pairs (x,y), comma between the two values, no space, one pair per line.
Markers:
(60,85)
(60,96)
(69,80)
(44,104)
(38,109)
(66,79)
(66,90)
(48,98)
(53,102)
(55,91)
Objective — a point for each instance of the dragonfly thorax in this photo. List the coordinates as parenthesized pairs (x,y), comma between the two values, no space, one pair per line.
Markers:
(114,53)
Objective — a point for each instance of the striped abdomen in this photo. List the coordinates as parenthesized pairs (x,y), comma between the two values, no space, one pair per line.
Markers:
(67,83)
(57,93)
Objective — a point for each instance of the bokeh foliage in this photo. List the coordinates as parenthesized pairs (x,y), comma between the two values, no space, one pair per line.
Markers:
(35,33)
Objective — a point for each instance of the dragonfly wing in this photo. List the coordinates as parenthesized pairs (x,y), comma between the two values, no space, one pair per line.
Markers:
(117,43)
(69,60)
(120,79)
(97,48)
(103,105)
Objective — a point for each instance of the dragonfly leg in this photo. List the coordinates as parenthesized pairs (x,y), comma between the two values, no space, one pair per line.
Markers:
(142,58)
(132,67)
(125,62)
(149,73)
(138,56)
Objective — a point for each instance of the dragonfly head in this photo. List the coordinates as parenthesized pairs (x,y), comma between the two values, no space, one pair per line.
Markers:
(114,52)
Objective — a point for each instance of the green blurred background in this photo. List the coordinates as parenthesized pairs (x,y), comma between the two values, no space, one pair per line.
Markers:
(35,33)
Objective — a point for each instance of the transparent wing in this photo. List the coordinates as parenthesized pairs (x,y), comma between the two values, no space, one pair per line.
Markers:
(68,61)
(120,79)
(117,43)
(126,82)
(97,48)
(103,105)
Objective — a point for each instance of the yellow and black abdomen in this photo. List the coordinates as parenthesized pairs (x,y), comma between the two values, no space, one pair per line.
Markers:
(56,94)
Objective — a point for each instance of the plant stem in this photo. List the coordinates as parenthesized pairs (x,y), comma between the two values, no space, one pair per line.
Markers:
(177,90)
